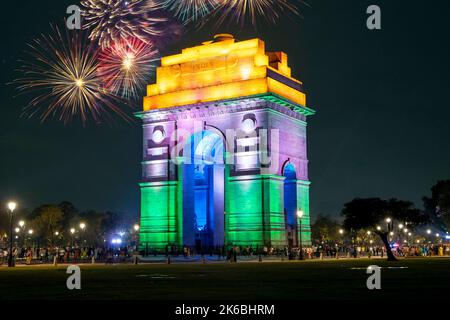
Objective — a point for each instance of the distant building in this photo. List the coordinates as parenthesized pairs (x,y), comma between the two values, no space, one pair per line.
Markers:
(225,158)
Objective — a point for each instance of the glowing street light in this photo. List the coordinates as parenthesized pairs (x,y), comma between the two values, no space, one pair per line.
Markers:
(400,226)
(341,231)
(429,231)
(388,220)
(21,223)
(30,232)
(136,227)
(72,230)
(300,215)
(437,234)
(368,232)
(378,228)
(82,226)
(56,233)
(17,230)
(11,206)
(391,233)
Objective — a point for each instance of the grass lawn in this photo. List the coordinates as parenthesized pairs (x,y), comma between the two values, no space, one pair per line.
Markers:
(337,279)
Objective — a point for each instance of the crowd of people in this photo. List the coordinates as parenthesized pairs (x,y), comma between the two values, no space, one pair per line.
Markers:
(66,254)
(77,254)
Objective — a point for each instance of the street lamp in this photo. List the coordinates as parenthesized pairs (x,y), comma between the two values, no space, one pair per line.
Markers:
(136,227)
(400,226)
(300,215)
(11,206)
(72,232)
(429,231)
(21,223)
(388,220)
(82,227)
(341,231)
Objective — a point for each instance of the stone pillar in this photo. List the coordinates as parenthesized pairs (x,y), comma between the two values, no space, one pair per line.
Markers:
(303,204)
(256,212)
(159,214)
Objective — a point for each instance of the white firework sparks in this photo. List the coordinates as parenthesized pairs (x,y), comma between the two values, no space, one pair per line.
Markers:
(113,20)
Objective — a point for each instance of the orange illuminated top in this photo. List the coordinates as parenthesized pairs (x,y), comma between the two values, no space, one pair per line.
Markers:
(219,70)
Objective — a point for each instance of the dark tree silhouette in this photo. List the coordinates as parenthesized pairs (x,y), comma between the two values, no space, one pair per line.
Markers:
(372,212)
(438,206)
(325,229)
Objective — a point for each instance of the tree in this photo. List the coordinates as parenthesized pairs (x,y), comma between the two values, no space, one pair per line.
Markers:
(4,227)
(325,229)
(95,231)
(380,216)
(438,206)
(47,220)
(69,211)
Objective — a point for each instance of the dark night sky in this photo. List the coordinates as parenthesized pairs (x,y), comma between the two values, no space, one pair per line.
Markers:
(381,129)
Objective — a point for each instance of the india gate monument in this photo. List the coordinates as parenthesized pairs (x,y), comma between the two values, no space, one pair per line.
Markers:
(224,150)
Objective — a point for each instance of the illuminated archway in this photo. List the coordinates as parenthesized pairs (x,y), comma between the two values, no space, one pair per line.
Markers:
(290,202)
(203,191)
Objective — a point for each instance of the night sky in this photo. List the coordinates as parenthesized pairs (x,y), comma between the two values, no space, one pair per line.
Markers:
(381,128)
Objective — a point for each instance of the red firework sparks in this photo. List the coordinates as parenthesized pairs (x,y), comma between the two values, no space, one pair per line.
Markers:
(126,65)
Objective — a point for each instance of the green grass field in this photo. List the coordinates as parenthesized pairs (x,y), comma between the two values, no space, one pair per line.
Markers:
(338,279)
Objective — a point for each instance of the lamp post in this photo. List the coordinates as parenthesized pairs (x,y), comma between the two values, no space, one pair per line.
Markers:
(300,215)
(22,234)
(11,208)
(82,227)
(72,232)
(136,228)
(341,233)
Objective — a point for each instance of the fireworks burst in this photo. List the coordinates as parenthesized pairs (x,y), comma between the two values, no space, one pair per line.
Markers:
(113,20)
(243,11)
(62,71)
(125,66)
(191,10)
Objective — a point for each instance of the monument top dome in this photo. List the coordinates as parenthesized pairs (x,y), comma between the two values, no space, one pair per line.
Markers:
(222,37)
(223,69)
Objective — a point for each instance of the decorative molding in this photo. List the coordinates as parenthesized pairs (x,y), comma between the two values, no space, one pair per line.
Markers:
(225,107)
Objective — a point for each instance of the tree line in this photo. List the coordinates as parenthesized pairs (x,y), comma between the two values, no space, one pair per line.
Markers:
(53,224)
(385,216)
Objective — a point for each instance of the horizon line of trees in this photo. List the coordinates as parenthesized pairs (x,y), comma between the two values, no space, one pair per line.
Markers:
(52,223)
(384,218)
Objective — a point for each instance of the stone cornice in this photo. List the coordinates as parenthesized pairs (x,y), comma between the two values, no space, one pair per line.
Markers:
(224,107)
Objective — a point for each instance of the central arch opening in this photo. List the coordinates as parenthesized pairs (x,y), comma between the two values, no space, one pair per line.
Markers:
(203,191)
(290,204)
